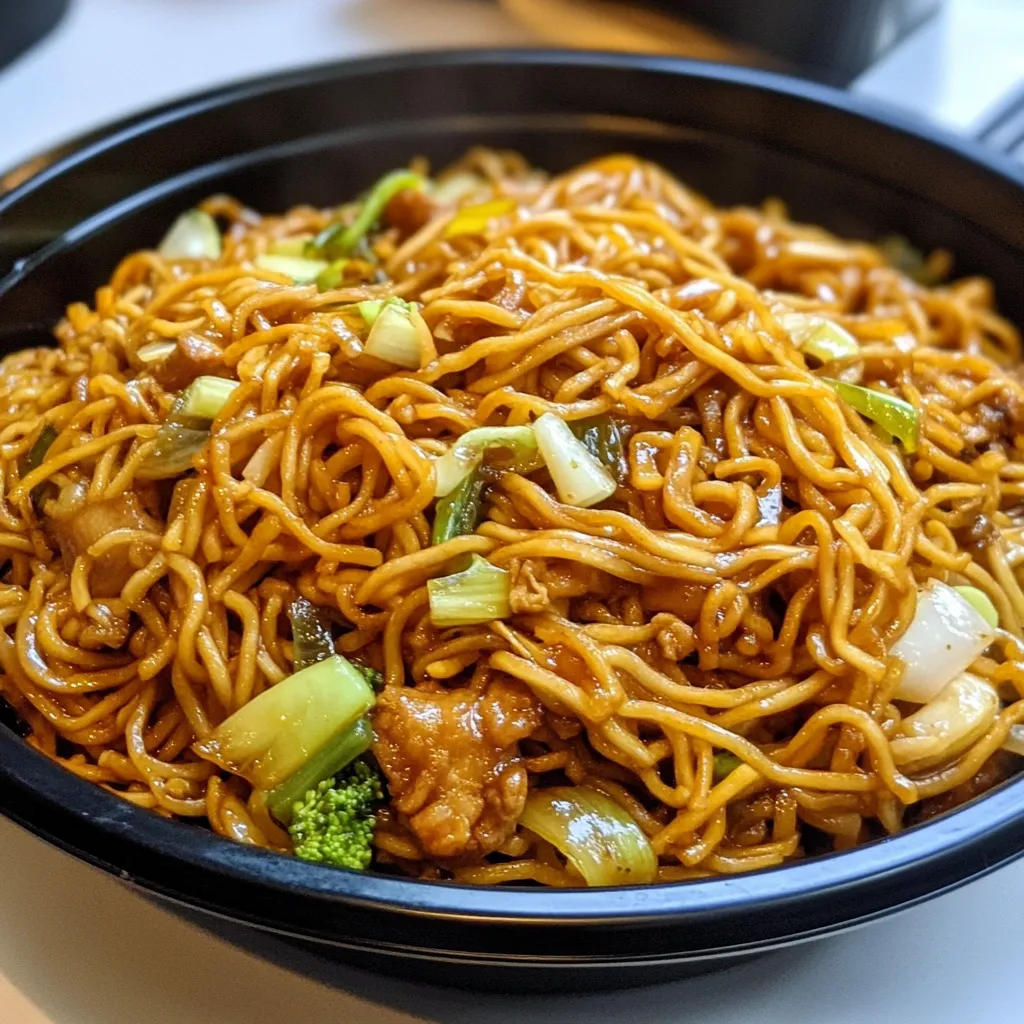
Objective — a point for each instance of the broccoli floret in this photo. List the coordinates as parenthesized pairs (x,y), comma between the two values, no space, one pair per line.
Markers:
(333,824)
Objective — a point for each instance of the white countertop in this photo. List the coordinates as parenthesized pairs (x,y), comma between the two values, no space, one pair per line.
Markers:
(78,948)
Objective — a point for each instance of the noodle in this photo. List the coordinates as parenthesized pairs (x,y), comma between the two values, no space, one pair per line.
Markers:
(738,596)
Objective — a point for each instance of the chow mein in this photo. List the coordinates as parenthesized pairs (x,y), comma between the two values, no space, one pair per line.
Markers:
(500,527)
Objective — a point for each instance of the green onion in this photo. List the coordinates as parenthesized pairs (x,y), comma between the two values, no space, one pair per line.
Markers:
(337,240)
(981,602)
(893,414)
(726,762)
(579,478)
(311,634)
(473,220)
(819,337)
(278,732)
(33,459)
(331,276)
(399,335)
(480,593)
(193,236)
(370,309)
(298,268)
(602,437)
(595,834)
(458,512)
(295,246)
(187,430)
(327,761)
(205,397)
(468,452)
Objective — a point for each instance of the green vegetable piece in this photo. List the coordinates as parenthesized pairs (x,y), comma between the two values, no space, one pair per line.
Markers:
(458,512)
(269,739)
(326,762)
(603,438)
(509,448)
(333,824)
(311,634)
(173,452)
(893,414)
(204,398)
(33,459)
(726,762)
(981,602)
(331,276)
(298,268)
(337,240)
(479,593)
(371,675)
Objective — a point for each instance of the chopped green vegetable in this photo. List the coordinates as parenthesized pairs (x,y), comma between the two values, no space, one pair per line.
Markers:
(269,739)
(334,823)
(981,602)
(479,593)
(371,675)
(603,438)
(300,269)
(579,478)
(331,276)
(338,240)
(593,832)
(204,398)
(326,762)
(819,337)
(291,246)
(311,634)
(399,335)
(458,512)
(726,762)
(33,459)
(473,220)
(893,414)
(193,236)
(469,450)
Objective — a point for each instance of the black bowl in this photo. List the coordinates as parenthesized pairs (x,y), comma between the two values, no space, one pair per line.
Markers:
(323,134)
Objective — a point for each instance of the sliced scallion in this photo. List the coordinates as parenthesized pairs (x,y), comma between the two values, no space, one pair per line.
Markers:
(193,236)
(520,443)
(458,512)
(893,414)
(479,593)
(338,240)
(399,335)
(579,478)
(602,436)
(205,397)
(819,337)
(300,269)
(331,276)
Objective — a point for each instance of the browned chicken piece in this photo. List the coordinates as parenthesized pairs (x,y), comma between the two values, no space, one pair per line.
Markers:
(193,356)
(408,211)
(452,763)
(536,583)
(77,526)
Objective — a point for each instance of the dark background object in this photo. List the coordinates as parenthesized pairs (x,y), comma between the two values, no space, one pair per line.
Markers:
(25,22)
(830,40)
(323,134)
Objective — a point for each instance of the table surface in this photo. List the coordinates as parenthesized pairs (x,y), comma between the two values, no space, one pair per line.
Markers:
(76,947)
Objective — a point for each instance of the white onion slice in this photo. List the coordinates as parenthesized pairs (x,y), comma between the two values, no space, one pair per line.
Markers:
(579,478)
(944,638)
(193,236)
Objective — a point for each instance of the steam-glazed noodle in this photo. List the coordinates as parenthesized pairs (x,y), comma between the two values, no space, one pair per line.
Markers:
(694,645)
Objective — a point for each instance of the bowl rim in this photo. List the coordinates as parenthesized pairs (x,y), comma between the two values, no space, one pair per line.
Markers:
(106,831)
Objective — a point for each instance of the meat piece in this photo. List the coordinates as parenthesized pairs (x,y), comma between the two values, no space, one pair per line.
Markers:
(537,583)
(77,525)
(193,356)
(452,763)
(408,211)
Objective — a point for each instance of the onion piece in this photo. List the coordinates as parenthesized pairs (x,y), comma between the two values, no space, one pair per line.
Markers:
(156,352)
(979,600)
(399,335)
(468,451)
(205,397)
(598,837)
(959,715)
(893,414)
(480,593)
(267,740)
(193,236)
(943,639)
(579,478)
(298,268)
(473,220)
(819,337)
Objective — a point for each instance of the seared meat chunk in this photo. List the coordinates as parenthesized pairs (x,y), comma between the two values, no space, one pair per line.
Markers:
(193,356)
(452,763)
